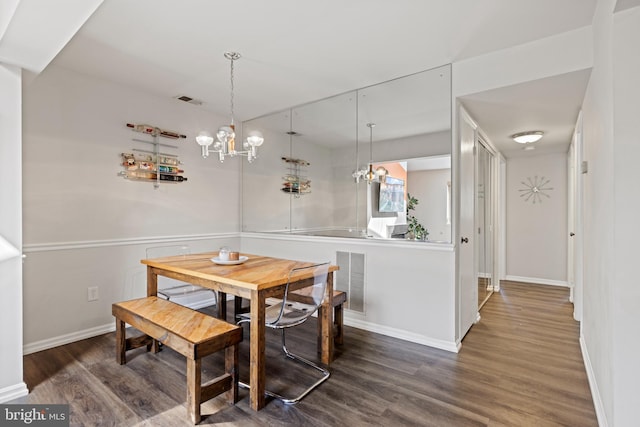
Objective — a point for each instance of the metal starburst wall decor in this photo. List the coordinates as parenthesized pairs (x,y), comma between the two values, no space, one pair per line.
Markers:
(534,188)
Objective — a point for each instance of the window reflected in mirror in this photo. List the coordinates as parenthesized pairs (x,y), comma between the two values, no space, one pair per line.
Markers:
(428,181)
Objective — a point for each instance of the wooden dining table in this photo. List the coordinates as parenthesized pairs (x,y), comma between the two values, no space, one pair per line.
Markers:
(256,279)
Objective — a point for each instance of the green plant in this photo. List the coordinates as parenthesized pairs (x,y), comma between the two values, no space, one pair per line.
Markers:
(414,228)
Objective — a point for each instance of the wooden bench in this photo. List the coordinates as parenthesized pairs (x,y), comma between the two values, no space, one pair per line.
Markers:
(190,333)
(338,300)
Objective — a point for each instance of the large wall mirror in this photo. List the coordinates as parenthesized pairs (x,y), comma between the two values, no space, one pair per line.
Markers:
(312,176)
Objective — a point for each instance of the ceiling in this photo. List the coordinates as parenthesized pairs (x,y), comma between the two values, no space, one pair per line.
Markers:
(295,52)
(549,105)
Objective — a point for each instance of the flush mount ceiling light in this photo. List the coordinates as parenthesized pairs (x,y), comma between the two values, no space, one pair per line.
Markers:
(527,137)
(225,141)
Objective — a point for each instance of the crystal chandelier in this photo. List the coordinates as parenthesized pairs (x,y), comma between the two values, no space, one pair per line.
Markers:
(225,141)
(369,175)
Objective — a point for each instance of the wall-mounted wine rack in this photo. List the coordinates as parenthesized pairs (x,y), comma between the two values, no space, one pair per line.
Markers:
(152,165)
(294,181)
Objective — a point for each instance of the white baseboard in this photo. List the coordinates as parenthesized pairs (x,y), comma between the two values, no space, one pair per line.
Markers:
(13,392)
(67,338)
(595,392)
(538,281)
(98,330)
(356,323)
(402,334)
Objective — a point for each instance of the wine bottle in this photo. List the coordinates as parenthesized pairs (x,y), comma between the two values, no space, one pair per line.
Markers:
(174,178)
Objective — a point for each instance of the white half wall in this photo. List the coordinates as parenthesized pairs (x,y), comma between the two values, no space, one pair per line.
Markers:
(409,286)
(56,276)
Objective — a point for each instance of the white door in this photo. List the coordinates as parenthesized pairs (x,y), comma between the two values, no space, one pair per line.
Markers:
(467,283)
(571,186)
(574,267)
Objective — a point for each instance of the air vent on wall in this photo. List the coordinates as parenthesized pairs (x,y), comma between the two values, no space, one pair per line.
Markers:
(350,278)
(188,99)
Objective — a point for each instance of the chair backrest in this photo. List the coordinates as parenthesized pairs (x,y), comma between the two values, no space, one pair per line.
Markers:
(317,276)
(169,250)
(164,251)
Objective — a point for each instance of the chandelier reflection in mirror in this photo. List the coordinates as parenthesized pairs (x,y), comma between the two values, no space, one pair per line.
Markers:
(369,175)
(225,141)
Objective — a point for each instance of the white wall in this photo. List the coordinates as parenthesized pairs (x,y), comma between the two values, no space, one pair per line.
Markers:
(626,292)
(537,232)
(84,225)
(11,384)
(551,56)
(597,320)
(56,310)
(611,297)
(74,131)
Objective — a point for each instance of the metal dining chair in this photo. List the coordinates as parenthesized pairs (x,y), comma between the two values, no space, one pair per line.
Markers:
(172,289)
(287,312)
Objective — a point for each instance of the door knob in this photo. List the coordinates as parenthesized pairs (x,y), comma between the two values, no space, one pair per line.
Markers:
(464,240)
(572,234)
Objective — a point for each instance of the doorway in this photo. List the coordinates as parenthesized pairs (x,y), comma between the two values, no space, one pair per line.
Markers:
(484,222)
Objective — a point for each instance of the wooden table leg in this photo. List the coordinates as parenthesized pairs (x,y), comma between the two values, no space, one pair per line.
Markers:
(152,291)
(257,369)
(222,306)
(326,317)
(152,282)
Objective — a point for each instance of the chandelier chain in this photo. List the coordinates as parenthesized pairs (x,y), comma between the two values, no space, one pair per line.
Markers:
(232,105)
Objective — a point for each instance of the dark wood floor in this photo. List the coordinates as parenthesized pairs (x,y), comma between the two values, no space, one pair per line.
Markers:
(520,366)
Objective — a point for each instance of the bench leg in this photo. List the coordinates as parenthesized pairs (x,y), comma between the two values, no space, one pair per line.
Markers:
(338,324)
(194,397)
(121,342)
(338,321)
(231,364)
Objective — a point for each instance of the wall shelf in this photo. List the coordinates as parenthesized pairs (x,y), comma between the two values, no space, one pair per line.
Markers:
(152,165)
(294,182)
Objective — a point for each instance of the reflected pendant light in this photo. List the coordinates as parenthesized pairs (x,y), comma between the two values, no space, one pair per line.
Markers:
(369,175)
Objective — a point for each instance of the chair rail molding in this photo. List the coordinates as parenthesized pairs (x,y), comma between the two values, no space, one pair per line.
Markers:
(61,246)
